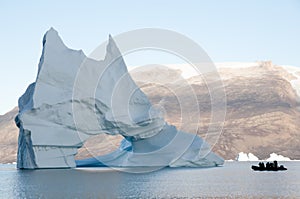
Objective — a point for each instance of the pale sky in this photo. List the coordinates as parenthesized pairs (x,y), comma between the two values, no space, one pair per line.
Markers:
(229,31)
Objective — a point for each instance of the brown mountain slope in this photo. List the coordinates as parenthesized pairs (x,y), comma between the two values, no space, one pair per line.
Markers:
(262,109)
(8,137)
(262,112)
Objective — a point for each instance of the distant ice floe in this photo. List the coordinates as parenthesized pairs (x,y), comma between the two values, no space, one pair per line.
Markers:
(250,157)
(11,163)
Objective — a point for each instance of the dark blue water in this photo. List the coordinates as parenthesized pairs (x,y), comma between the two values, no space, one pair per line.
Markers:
(234,179)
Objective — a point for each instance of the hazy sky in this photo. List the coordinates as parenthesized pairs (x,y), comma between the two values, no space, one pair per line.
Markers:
(243,31)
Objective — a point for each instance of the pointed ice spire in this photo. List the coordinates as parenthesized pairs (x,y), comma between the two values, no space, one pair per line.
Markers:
(112,51)
(51,42)
(51,38)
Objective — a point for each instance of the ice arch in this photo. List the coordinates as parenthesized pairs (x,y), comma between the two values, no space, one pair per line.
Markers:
(54,121)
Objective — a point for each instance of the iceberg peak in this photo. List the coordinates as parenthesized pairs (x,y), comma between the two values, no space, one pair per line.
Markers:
(52,38)
(112,51)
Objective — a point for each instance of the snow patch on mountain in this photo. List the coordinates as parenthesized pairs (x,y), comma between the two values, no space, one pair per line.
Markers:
(191,70)
(295,71)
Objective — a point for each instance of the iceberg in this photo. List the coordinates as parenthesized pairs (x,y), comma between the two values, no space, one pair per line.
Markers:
(274,156)
(75,97)
(246,157)
(250,157)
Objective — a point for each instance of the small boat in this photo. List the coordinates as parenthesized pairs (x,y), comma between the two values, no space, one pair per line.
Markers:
(257,168)
(269,167)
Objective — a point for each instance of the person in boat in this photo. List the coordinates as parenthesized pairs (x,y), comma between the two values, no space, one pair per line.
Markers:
(268,165)
(275,164)
(261,165)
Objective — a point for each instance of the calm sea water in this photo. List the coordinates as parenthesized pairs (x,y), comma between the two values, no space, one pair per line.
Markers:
(234,179)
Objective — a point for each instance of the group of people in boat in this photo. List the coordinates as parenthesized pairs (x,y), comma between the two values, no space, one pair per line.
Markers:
(270,166)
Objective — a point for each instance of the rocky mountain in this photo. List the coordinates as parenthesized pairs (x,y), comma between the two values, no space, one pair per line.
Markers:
(8,137)
(262,110)
(262,113)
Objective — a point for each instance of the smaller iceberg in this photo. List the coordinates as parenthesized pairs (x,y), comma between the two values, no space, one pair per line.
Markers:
(250,157)
(274,156)
(246,157)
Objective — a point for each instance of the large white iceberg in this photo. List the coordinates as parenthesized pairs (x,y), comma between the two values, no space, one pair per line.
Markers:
(75,97)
